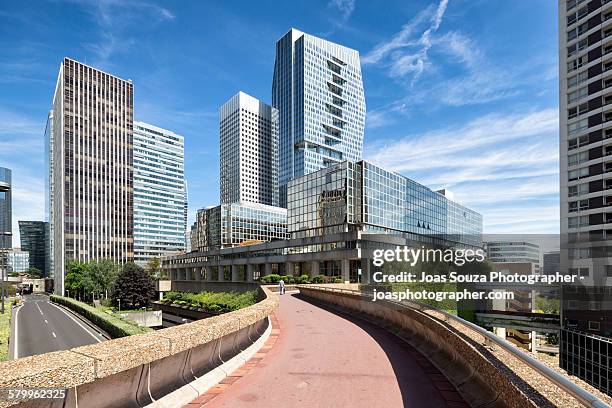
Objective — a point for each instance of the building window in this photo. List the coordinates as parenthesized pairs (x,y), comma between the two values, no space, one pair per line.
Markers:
(595,326)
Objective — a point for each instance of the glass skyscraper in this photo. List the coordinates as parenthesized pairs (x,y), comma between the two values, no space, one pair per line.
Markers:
(6,229)
(159,192)
(318,91)
(33,236)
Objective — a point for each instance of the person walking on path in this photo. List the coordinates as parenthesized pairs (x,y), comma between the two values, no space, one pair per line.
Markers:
(281,286)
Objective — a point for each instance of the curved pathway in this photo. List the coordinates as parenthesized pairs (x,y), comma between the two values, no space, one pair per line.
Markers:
(323,359)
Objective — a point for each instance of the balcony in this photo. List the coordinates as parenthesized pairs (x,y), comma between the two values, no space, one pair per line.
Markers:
(335,89)
(334,67)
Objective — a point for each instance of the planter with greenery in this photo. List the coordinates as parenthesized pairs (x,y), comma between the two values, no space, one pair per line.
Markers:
(211,302)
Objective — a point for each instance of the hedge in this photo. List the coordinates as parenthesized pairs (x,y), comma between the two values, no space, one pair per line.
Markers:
(115,326)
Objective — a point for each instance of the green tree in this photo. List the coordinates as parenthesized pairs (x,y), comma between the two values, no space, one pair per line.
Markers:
(153,268)
(34,273)
(73,282)
(99,277)
(134,287)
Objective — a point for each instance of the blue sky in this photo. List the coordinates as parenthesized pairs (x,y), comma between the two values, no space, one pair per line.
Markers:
(461,94)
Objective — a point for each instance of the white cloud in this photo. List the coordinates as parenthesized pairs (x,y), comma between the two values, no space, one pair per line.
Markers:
(345,7)
(114,18)
(408,55)
(496,161)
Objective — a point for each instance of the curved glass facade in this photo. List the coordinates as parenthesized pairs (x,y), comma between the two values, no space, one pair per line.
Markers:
(364,196)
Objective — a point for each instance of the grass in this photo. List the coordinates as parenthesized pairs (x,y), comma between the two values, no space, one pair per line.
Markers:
(212,302)
(5,329)
(113,325)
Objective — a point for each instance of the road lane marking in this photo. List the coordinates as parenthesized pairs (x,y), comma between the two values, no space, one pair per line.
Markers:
(16,346)
(41,313)
(77,322)
(53,333)
(46,322)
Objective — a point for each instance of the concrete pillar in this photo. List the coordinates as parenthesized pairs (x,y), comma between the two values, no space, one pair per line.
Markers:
(249,272)
(220,274)
(289,268)
(209,273)
(234,273)
(198,273)
(315,269)
(268,269)
(365,271)
(345,273)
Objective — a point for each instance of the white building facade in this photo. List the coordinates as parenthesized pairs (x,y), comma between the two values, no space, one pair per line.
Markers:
(249,151)
(318,91)
(159,192)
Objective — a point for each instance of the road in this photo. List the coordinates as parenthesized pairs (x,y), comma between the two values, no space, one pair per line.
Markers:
(323,359)
(39,326)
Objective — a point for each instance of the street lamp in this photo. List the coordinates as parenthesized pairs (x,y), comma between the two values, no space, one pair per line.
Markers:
(144,316)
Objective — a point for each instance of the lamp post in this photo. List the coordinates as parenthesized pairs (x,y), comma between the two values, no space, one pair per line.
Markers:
(144,316)
(2,266)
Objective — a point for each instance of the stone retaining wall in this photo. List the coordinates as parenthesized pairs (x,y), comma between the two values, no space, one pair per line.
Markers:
(131,371)
(474,376)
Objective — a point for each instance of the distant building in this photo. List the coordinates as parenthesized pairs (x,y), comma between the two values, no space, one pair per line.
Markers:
(249,151)
(318,91)
(18,260)
(552,262)
(159,192)
(33,235)
(231,225)
(514,252)
(90,168)
(6,220)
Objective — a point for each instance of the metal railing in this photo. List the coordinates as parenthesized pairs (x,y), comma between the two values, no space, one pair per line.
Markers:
(562,382)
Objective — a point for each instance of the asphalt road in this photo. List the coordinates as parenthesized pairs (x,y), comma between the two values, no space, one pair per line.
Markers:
(38,326)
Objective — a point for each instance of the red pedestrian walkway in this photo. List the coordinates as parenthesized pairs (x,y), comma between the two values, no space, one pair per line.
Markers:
(317,358)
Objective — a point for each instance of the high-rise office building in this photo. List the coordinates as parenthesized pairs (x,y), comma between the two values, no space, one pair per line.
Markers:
(509,252)
(159,192)
(249,151)
(91,167)
(318,91)
(6,219)
(585,118)
(33,236)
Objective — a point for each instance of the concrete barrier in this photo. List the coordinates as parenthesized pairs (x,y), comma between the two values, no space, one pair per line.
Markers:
(137,370)
(474,376)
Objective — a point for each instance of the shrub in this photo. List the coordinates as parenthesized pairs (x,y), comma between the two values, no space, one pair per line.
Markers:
(301,279)
(272,278)
(318,279)
(115,326)
(212,302)
(338,280)
(288,278)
